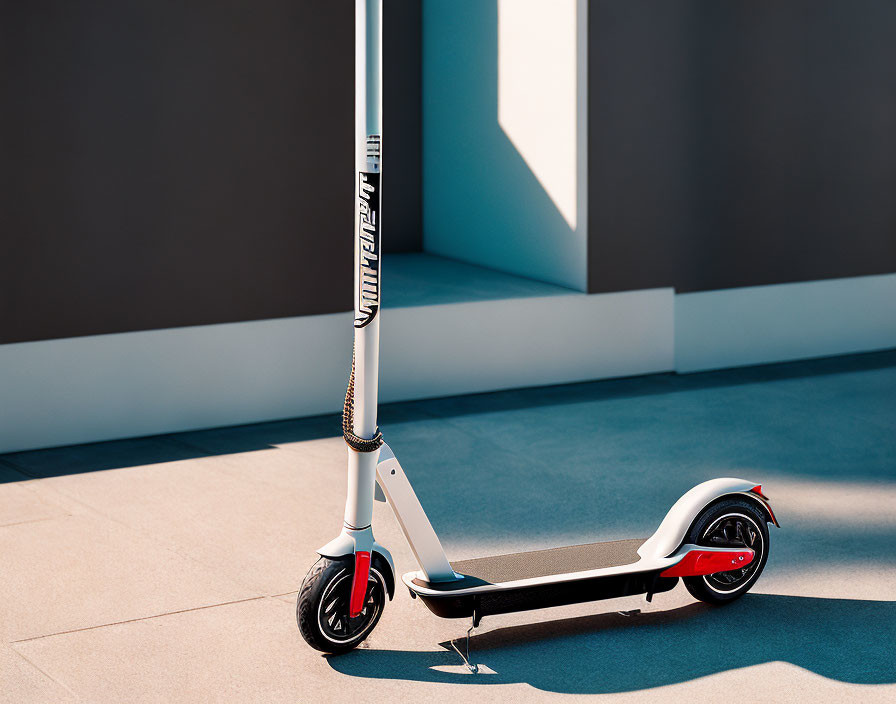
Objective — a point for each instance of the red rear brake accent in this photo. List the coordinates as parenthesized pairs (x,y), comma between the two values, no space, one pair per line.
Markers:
(772,514)
(359,583)
(699,562)
(758,491)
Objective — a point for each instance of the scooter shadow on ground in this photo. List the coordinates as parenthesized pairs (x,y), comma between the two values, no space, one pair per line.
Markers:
(842,639)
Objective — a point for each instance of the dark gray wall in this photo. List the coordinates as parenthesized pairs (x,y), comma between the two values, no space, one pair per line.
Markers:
(402,126)
(740,143)
(179,163)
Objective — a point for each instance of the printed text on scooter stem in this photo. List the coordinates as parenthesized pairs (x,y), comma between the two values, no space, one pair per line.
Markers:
(368,249)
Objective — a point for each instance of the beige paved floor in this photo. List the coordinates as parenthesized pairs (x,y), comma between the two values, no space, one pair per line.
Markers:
(165,570)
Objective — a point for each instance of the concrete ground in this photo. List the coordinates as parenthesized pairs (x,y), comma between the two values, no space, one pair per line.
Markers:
(165,569)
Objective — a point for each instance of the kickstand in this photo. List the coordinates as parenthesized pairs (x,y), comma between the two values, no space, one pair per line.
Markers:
(466,657)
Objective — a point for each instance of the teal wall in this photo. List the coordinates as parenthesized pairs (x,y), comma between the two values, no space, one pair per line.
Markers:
(481,202)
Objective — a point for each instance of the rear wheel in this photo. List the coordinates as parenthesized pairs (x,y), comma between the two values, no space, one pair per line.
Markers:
(729,523)
(322,608)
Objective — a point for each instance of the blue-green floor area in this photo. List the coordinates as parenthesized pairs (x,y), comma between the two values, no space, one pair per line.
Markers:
(599,460)
(425,280)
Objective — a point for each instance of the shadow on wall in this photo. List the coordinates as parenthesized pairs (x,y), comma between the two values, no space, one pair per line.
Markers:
(482,201)
(842,639)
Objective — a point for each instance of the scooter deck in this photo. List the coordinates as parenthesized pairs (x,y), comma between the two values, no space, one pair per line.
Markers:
(523,580)
(554,561)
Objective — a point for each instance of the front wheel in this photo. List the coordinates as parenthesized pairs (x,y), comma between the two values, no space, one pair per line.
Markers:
(322,608)
(729,523)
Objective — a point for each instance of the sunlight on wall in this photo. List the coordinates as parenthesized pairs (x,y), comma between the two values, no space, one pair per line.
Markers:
(537,92)
(504,136)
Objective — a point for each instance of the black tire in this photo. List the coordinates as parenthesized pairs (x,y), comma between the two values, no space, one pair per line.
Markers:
(730,522)
(323,603)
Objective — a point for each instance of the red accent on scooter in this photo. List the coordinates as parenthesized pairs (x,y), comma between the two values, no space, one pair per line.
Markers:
(699,562)
(772,514)
(758,491)
(359,583)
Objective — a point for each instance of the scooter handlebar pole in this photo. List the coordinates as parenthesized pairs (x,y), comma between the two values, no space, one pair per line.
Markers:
(368,232)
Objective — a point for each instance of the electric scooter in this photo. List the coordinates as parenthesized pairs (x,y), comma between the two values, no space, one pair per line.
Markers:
(715,537)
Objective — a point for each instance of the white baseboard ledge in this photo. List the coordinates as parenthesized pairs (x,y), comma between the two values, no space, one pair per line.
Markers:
(105,387)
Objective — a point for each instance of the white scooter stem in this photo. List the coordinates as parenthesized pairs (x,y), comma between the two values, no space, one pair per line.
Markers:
(357,535)
(368,232)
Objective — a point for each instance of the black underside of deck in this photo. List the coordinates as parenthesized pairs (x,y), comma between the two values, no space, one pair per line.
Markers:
(540,596)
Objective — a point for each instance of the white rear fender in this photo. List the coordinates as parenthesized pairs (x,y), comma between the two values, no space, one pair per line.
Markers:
(672,531)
